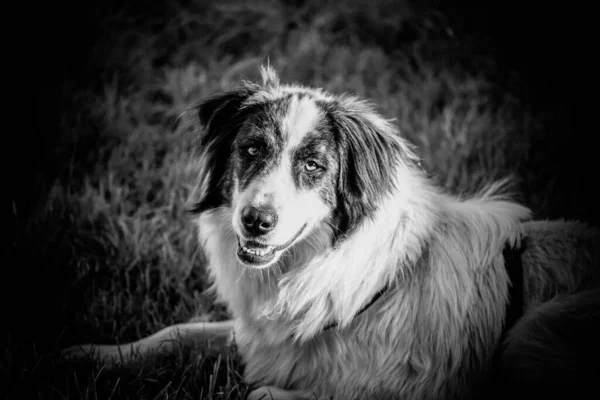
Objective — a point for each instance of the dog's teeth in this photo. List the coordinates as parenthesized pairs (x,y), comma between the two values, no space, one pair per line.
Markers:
(257,252)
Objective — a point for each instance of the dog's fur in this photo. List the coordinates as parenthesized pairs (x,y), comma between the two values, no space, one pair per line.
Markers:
(357,216)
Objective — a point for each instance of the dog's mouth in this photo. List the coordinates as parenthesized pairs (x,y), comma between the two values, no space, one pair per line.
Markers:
(257,254)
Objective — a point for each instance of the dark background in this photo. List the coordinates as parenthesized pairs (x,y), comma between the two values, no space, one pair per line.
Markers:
(547,46)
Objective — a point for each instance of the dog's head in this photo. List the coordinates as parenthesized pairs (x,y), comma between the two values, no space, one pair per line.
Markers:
(288,160)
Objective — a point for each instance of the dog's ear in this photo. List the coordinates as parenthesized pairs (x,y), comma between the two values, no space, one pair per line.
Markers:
(221,116)
(216,112)
(369,152)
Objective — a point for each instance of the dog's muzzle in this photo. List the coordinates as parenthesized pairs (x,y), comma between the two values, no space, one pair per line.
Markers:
(257,254)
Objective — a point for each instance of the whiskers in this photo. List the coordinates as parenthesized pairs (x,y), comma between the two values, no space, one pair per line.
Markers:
(224,214)
(315,243)
(334,229)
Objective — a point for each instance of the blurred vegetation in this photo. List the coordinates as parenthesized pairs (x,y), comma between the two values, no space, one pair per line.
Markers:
(101,247)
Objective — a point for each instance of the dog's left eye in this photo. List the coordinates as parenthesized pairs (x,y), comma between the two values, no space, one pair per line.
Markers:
(252,151)
(311,166)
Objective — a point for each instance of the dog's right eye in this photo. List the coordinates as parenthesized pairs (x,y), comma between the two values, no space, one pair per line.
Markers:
(252,151)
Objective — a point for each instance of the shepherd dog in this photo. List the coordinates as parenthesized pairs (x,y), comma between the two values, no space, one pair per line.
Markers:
(350,274)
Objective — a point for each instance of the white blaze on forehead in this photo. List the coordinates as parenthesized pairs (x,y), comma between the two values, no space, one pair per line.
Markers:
(302,117)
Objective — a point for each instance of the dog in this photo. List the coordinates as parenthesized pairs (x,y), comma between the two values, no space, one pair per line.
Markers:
(349,274)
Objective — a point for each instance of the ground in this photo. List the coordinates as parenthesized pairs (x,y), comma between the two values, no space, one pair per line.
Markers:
(101,246)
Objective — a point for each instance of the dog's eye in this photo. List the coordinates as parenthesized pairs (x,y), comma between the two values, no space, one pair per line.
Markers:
(252,151)
(311,166)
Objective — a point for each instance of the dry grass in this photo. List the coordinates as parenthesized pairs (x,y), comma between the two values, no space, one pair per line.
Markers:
(109,252)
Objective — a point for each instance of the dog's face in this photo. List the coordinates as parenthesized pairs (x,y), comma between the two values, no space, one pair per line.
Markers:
(288,160)
(283,171)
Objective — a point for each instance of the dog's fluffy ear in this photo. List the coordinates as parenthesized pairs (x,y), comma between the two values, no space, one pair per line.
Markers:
(221,116)
(216,112)
(370,150)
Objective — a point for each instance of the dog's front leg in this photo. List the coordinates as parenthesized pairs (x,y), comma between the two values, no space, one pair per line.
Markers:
(216,335)
(275,393)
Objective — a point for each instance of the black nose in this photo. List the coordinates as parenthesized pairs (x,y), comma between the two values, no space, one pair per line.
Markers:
(259,221)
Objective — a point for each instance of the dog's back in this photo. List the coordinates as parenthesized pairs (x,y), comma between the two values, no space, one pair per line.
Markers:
(552,351)
(559,257)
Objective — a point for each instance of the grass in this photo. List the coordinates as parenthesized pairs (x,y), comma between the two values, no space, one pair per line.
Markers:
(102,248)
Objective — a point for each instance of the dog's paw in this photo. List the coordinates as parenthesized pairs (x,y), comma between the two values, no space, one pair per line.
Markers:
(275,393)
(262,393)
(106,355)
(78,352)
